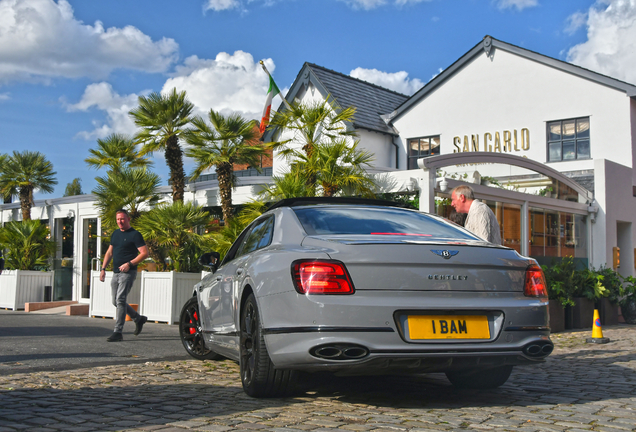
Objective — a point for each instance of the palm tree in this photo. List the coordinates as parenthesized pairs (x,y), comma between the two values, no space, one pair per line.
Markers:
(335,167)
(290,185)
(310,124)
(223,238)
(116,151)
(163,119)
(130,189)
(179,237)
(221,144)
(340,167)
(24,172)
(27,243)
(6,198)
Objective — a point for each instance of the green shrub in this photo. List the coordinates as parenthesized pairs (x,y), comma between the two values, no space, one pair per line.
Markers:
(565,282)
(28,245)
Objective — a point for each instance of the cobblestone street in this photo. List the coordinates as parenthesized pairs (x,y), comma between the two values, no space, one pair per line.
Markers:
(582,387)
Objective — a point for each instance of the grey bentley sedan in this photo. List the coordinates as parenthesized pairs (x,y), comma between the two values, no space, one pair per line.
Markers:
(357,287)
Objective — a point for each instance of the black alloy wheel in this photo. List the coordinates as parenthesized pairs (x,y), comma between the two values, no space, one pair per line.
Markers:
(191,334)
(258,375)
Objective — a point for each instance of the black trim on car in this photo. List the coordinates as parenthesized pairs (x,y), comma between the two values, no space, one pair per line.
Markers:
(221,333)
(527,328)
(303,201)
(448,351)
(319,329)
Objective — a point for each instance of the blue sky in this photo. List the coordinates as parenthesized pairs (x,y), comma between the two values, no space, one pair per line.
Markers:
(71,70)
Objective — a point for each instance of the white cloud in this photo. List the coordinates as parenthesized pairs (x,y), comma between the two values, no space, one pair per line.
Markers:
(519,4)
(575,22)
(230,82)
(42,39)
(4,96)
(372,4)
(397,81)
(610,48)
(103,97)
(220,5)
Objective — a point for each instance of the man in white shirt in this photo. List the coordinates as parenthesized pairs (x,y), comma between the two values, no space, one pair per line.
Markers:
(480,220)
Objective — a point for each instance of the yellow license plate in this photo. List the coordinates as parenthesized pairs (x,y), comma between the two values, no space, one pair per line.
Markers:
(448,327)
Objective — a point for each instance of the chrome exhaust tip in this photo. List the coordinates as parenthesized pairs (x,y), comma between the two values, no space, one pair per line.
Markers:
(339,351)
(328,352)
(538,349)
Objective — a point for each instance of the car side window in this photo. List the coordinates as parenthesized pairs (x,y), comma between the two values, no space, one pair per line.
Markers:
(259,236)
(232,253)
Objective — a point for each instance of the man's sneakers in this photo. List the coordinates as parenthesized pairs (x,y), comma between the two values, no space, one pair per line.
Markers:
(115,337)
(140,324)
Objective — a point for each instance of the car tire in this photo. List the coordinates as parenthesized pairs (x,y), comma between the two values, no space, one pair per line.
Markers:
(191,334)
(259,377)
(480,378)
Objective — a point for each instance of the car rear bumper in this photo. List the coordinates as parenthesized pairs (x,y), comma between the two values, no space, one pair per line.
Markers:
(364,334)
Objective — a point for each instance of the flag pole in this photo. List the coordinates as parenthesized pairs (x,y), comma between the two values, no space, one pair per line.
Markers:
(279,93)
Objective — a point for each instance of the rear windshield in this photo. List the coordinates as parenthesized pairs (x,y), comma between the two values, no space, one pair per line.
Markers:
(318,220)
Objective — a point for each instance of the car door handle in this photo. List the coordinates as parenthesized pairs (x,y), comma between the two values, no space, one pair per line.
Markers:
(239,271)
(219,278)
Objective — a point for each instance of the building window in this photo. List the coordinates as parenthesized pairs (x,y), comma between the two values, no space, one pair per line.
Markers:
(569,139)
(421,148)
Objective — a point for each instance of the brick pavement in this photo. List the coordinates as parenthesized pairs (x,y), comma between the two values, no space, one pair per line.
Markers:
(581,387)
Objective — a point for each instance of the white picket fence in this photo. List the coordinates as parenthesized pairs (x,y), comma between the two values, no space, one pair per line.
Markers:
(18,287)
(160,295)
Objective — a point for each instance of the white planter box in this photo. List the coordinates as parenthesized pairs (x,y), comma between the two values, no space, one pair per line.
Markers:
(101,303)
(163,294)
(18,287)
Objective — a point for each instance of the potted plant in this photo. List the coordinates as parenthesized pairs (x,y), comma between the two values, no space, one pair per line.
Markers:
(609,304)
(173,227)
(626,299)
(588,290)
(27,257)
(560,285)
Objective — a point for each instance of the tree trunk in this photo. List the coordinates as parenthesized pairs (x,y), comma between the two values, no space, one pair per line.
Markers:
(329,190)
(174,160)
(224,176)
(310,180)
(26,201)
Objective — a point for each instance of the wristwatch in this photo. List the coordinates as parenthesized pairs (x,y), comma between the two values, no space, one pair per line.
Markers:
(130,264)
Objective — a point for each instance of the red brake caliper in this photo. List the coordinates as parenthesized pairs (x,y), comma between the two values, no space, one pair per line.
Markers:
(192,329)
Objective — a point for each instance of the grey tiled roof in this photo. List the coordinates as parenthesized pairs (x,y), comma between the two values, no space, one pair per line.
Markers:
(369,99)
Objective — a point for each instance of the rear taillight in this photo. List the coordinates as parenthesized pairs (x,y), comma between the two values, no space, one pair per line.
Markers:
(535,282)
(321,277)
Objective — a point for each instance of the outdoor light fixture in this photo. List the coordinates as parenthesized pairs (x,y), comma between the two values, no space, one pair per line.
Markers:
(592,209)
(443,185)
(616,257)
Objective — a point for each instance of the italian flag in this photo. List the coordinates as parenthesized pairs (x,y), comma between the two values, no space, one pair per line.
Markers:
(273,91)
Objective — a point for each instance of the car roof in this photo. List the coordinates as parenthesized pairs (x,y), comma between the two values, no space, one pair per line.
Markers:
(310,201)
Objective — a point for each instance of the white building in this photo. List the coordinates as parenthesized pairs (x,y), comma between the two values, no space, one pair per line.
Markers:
(558,141)
(548,145)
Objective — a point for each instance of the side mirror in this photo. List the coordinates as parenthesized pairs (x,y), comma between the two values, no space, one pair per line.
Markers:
(210,260)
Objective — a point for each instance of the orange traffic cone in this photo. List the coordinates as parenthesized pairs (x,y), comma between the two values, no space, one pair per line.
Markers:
(597,331)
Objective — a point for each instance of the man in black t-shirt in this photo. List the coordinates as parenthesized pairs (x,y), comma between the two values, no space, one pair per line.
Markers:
(128,249)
